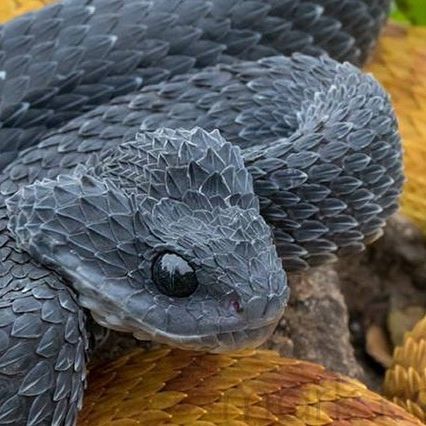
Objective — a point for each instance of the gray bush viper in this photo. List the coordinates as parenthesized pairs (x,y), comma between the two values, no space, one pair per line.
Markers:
(165,234)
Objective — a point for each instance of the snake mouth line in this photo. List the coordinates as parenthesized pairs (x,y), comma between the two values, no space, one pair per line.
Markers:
(244,338)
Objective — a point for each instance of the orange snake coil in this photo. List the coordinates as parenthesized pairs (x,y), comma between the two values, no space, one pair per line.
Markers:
(405,381)
(400,65)
(174,387)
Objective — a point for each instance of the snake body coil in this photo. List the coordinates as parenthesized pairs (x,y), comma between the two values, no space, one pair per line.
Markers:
(244,389)
(405,381)
(69,57)
(165,234)
(320,140)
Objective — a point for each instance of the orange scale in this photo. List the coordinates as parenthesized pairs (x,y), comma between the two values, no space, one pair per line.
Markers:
(291,421)
(389,421)
(313,415)
(198,371)
(341,423)
(241,396)
(202,423)
(355,407)
(202,396)
(281,404)
(262,387)
(363,422)
(182,362)
(123,422)
(223,380)
(257,413)
(317,393)
(186,414)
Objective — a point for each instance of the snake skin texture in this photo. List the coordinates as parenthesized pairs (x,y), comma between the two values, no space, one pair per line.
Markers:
(405,381)
(400,64)
(10,9)
(69,57)
(89,229)
(101,229)
(320,140)
(318,144)
(246,389)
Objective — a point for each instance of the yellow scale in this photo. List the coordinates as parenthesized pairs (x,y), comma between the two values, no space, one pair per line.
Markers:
(251,388)
(405,381)
(10,9)
(400,64)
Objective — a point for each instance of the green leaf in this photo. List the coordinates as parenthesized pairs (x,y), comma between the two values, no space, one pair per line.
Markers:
(413,10)
(398,16)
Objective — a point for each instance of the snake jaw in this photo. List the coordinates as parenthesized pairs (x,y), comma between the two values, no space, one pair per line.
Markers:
(223,342)
(252,335)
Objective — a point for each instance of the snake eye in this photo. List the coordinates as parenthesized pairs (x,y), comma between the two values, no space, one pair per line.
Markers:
(173,276)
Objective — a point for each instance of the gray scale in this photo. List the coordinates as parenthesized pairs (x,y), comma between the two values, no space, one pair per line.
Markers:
(319,138)
(66,59)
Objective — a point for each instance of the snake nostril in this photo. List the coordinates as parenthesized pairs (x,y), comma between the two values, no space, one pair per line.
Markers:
(236,306)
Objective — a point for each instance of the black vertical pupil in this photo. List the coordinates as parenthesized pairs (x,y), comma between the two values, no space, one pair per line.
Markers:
(174,276)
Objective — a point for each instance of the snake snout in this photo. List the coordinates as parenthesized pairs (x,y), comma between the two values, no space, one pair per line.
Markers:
(263,309)
(258,319)
(275,307)
(247,314)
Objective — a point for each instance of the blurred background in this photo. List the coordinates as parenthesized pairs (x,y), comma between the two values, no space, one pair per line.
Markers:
(410,11)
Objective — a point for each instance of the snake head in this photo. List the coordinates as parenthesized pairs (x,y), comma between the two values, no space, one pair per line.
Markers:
(163,239)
